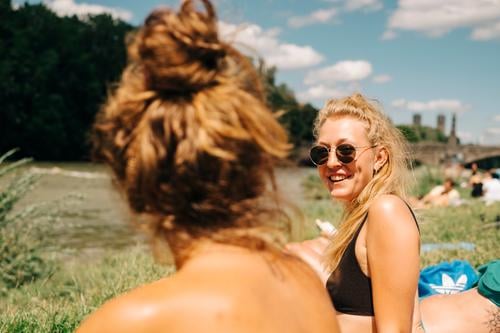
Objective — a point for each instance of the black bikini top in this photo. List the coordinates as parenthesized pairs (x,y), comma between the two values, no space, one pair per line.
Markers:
(349,288)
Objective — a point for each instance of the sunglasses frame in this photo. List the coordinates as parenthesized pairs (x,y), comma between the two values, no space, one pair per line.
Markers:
(337,154)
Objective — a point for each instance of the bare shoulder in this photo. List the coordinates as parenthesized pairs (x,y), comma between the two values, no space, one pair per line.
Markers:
(388,203)
(391,213)
(190,301)
(129,312)
(393,246)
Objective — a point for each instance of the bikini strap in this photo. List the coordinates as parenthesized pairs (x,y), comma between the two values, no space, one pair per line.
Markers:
(412,214)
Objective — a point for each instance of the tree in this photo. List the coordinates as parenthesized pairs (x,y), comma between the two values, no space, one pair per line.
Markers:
(297,118)
(54,73)
(409,133)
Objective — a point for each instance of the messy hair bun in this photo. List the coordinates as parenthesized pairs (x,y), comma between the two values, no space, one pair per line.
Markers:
(188,133)
(193,36)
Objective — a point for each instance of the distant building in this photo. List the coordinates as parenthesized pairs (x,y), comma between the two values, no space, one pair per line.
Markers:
(441,121)
(417,119)
(452,139)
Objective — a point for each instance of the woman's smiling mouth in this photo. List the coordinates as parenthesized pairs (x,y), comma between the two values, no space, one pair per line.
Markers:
(338,178)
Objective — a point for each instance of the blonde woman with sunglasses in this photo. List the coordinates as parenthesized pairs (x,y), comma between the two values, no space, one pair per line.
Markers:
(370,265)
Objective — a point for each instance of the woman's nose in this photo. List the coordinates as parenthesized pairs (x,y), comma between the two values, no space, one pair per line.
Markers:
(332,160)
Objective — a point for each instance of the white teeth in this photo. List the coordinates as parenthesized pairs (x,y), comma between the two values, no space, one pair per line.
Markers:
(337,178)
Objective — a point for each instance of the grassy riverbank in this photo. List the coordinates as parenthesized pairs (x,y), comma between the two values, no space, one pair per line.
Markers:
(83,282)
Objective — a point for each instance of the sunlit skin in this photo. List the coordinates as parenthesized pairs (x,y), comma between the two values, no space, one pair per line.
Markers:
(223,289)
(346,181)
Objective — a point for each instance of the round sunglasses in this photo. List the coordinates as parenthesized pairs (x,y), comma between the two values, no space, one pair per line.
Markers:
(345,153)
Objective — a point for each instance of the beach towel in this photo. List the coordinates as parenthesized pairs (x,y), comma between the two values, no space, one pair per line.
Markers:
(446,278)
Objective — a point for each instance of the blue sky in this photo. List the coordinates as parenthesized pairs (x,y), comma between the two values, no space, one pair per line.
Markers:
(415,56)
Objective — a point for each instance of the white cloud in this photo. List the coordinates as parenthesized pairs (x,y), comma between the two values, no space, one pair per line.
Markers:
(382,78)
(492,131)
(487,32)
(490,136)
(369,5)
(450,105)
(319,16)
(388,35)
(69,8)
(351,5)
(399,103)
(436,18)
(252,38)
(329,14)
(320,92)
(465,136)
(497,117)
(347,70)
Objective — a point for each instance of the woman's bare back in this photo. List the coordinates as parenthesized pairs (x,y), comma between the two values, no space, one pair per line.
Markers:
(235,291)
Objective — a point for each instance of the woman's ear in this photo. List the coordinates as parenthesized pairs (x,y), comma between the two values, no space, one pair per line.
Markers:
(381,157)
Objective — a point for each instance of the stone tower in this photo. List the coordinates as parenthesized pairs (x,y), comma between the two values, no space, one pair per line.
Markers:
(441,120)
(452,139)
(417,119)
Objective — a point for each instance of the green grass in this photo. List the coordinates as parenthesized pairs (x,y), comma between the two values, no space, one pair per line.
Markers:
(473,222)
(59,303)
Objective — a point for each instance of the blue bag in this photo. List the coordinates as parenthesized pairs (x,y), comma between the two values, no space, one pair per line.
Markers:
(446,278)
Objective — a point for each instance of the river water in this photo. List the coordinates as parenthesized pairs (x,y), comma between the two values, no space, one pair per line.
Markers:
(93,217)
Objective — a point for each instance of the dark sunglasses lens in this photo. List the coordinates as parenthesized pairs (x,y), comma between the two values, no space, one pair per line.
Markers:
(319,155)
(345,153)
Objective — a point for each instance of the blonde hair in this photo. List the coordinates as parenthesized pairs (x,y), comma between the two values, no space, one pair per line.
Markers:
(391,178)
(189,136)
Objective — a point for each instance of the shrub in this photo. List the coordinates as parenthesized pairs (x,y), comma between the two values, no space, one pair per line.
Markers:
(21,240)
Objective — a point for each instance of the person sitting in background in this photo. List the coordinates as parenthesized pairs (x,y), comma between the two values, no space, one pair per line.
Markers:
(193,145)
(475,182)
(491,187)
(442,195)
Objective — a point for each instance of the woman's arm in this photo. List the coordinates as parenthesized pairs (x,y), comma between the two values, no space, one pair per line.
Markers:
(311,251)
(393,242)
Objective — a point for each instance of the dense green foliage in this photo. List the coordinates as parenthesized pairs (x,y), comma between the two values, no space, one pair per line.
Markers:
(54,73)
(422,134)
(21,240)
(296,117)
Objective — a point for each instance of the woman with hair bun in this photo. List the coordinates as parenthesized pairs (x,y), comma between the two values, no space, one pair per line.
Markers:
(192,145)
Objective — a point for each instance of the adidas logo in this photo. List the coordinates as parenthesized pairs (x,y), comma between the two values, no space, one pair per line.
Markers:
(449,286)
